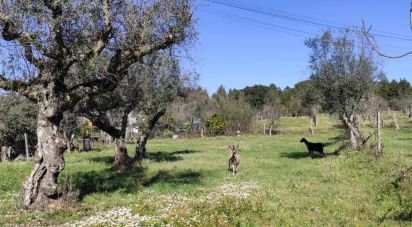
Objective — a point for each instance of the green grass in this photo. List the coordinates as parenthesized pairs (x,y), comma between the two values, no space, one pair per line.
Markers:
(185,182)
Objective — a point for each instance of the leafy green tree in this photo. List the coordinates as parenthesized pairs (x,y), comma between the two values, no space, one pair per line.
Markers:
(344,70)
(18,116)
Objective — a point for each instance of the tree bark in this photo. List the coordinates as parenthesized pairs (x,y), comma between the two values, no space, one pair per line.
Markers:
(122,160)
(141,147)
(5,154)
(356,138)
(146,131)
(68,141)
(41,188)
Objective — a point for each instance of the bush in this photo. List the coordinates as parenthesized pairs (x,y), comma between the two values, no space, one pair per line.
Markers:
(215,125)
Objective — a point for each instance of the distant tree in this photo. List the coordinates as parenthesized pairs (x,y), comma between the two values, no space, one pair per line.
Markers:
(272,113)
(344,71)
(17,117)
(237,113)
(291,100)
(310,100)
(256,95)
(191,109)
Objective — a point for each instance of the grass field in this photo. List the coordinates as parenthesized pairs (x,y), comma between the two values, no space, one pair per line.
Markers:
(185,182)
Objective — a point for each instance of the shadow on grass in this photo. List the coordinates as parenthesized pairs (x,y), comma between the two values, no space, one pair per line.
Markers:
(105,159)
(159,156)
(181,177)
(162,156)
(301,155)
(107,181)
(294,155)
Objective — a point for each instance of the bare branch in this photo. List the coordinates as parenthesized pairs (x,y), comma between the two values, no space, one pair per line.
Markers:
(15,85)
(25,39)
(100,120)
(57,12)
(374,46)
(132,57)
(104,38)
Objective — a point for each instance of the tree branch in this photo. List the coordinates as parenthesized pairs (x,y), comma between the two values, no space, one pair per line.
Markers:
(16,85)
(101,121)
(134,56)
(104,38)
(26,40)
(57,28)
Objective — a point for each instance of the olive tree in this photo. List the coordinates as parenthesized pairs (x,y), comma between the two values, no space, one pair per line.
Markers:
(148,88)
(344,70)
(44,41)
(163,86)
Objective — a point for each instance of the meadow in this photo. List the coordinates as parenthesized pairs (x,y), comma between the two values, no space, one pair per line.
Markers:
(185,182)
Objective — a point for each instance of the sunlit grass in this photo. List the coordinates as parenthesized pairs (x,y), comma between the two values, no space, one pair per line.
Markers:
(186,182)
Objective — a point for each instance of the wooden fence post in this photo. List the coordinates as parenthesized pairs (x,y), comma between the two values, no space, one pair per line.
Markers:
(378,134)
(26,143)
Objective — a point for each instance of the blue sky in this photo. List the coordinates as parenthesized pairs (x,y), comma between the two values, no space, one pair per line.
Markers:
(237,48)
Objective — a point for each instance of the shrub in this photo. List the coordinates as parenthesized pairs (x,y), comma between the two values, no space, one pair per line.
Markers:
(215,125)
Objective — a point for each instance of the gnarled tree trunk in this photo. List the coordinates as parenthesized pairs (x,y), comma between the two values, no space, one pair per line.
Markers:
(41,188)
(5,153)
(355,135)
(146,131)
(122,160)
(141,147)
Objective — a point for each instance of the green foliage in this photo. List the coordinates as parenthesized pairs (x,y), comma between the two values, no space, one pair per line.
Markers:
(70,124)
(19,118)
(215,125)
(397,94)
(344,71)
(257,95)
(235,111)
(85,129)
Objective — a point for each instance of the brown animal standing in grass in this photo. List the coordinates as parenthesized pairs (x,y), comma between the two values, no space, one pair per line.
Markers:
(234,159)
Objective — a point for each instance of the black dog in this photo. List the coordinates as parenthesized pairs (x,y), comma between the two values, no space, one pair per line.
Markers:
(313,147)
